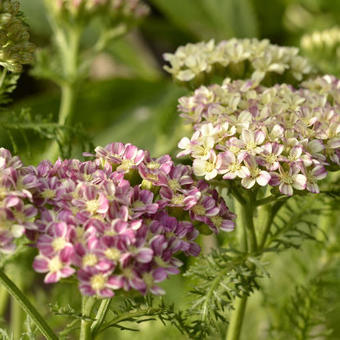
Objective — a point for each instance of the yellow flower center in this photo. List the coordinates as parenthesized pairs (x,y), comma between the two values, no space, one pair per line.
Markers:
(174,185)
(126,165)
(148,279)
(286,179)
(217,221)
(177,199)
(55,264)
(199,209)
(112,254)
(48,193)
(153,165)
(3,193)
(92,206)
(209,167)
(234,167)
(98,282)
(271,158)
(89,260)
(58,244)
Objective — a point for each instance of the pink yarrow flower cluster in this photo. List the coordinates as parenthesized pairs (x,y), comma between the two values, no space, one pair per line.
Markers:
(16,210)
(278,136)
(118,221)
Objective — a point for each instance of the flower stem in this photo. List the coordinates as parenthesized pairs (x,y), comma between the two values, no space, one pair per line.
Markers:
(241,221)
(86,322)
(100,317)
(27,307)
(236,320)
(2,77)
(69,54)
(245,221)
(271,211)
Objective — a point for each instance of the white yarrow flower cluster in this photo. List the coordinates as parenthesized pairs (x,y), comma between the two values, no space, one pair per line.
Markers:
(245,58)
(278,136)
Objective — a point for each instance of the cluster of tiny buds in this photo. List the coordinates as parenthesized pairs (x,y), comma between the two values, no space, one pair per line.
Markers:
(85,9)
(278,136)
(328,39)
(15,47)
(117,221)
(240,58)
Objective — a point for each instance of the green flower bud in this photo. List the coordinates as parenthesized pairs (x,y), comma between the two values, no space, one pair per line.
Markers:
(15,48)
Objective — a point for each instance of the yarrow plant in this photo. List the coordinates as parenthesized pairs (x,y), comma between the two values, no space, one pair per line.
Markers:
(262,140)
(111,231)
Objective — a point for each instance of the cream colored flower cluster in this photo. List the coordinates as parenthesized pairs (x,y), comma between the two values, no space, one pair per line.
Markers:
(280,135)
(15,48)
(83,9)
(329,39)
(237,58)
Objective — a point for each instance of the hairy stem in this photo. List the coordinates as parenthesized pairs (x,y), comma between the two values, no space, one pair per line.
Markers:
(100,317)
(86,322)
(26,305)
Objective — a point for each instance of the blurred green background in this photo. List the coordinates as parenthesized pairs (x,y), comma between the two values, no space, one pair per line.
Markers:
(129,98)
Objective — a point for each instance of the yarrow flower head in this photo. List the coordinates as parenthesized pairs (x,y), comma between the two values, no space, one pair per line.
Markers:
(238,58)
(323,49)
(16,210)
(119,220)
(15,48)
(278,136)
(117,10)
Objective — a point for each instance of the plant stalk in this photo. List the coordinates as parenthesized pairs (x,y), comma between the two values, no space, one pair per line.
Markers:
(26,305)
(100,317)
(245,221)
(236,320)
(86,310)
(69,54)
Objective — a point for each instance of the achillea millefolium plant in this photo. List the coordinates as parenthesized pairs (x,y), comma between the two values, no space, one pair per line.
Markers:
(256,169)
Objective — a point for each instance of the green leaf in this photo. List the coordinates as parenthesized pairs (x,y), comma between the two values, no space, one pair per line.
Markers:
(207,19)
(130,51)
(126,110)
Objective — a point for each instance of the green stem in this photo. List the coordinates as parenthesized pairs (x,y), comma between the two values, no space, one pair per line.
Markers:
(27,307)
(17,319)
(241,222)
(268,199)
(245,222)
(69,53)
(3,301)
(2,77)
(272,211)
(236,320)
(100,317)
(86,322)
(249,218)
